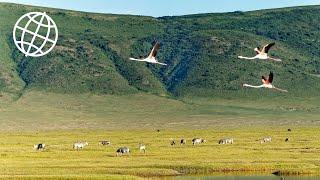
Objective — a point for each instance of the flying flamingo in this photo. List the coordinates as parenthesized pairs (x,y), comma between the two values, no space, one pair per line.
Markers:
(152,56)
(262,54)
(266,83)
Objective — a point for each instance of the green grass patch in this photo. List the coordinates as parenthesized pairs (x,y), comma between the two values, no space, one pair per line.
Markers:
(246,155)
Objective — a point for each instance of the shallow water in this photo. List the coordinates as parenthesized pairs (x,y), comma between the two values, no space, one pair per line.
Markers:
(243,178)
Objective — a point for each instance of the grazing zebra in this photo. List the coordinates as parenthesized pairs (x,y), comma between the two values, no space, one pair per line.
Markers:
(79,145)
(142,147)
(173,142)
(39,146)
(123,150)
(266,139)
(196,141)
(183,141)
(226,141)
(105,143)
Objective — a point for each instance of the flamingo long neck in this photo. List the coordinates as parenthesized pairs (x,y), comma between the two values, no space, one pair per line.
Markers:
(134,59)
(242,57)
(252,86)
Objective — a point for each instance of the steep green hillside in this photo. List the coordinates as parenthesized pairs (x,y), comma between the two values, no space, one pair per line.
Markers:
(201,50)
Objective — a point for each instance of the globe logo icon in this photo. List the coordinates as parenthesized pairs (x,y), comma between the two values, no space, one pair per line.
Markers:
(35,34)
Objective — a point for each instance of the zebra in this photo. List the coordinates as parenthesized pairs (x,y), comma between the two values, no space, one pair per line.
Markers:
(226,141)
(196,141)
(79,145)
(39,147)
(123,150)
(266,139)
(142,147)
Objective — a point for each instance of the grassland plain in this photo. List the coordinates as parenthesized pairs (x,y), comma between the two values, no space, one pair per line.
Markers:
(40,110)
(298,156)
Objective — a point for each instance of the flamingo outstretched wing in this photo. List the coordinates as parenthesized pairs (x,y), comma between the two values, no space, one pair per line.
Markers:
(267,47)
(270,79)
(154,50)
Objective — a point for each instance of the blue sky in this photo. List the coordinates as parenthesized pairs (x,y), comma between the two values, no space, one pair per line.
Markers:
(158,8)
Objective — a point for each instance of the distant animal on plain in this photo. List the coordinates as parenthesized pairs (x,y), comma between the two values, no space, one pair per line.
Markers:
(226,141)
(158,130)
(122,151)
(289,130)
(39,147)
(266,83)
(262,53)
(266,139)
(196,141)
(286,140)
(105,143)
(173,142)
(183,141)
(79,145)
(142,147)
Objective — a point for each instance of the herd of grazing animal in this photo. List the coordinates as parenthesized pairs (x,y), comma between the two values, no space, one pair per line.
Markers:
(81,145)
(142,148)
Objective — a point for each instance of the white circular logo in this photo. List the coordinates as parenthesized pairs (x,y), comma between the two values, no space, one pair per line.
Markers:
(35,34)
